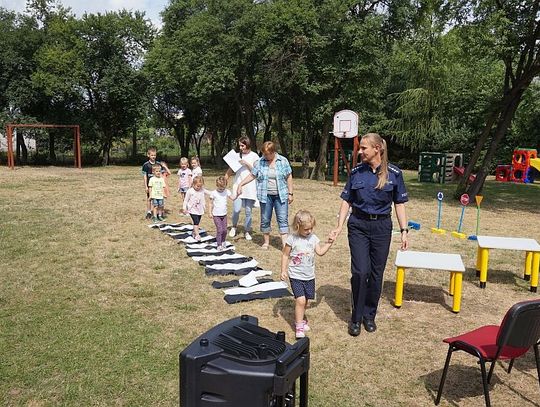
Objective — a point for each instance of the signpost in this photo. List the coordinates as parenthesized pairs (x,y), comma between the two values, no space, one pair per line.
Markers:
(440,197)
(464,202)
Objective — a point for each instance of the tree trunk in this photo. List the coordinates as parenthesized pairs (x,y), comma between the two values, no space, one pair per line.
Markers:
(303,141)
(134,144)
(281,134)
(180,134)
(318,172)
(464,181)
(106,150)
(502,126)
(268,124)
(22,151)
(52,154)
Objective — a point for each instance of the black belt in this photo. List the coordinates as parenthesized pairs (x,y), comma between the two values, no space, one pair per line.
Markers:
(368,216)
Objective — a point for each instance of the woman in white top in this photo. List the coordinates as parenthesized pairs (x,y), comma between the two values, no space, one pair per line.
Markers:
(248,196)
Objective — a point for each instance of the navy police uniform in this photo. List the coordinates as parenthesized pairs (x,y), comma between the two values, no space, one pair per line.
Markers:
(369,232)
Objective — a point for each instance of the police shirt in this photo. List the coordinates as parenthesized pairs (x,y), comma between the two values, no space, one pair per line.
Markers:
(361,194)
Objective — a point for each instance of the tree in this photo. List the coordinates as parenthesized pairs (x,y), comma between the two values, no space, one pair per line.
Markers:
(510,29)
(98,58)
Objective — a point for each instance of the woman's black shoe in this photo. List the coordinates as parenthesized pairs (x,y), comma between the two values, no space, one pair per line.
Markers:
(354,328)
(370,325)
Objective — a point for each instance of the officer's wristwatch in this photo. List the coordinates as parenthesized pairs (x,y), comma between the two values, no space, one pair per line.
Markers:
(404,230)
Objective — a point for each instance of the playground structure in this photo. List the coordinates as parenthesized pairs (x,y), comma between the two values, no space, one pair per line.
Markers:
(440,167)
(525,163)
(76,140)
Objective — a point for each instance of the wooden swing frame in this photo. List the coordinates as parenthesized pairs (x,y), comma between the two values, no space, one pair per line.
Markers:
(76,139)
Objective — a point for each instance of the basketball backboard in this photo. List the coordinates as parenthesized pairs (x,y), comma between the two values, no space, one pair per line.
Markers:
(346,124)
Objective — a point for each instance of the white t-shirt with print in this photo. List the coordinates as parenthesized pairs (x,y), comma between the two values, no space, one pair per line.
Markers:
(219,200)
(302,257)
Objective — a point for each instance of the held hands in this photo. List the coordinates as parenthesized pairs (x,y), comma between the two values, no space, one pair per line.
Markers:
(238,191)
(334,234)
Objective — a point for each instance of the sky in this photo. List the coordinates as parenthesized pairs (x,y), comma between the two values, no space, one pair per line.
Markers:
(152,8)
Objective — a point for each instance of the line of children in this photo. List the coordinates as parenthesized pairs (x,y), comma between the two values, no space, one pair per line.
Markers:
(298,255)
(298,264)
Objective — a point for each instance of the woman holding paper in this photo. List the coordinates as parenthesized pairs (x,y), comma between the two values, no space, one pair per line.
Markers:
(274,190)
(246,199)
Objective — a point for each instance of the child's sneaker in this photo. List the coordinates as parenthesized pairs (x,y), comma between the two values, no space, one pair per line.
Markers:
(148,215)
(197,238)
(155,219)
(160,218)
(248,236)
(299,332)
(306,326)
(232,233)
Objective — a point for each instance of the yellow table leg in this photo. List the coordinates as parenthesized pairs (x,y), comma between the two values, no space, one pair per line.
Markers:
(534,271)
(484,259)
(528,266)
(452,282)
(400,279)
(457,292)
(478,260)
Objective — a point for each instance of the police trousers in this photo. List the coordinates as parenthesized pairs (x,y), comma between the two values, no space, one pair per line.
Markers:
(369,243)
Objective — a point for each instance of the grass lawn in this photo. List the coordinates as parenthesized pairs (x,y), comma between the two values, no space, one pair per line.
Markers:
(95,306)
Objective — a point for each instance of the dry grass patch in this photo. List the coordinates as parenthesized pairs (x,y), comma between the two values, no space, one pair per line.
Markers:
(94,306)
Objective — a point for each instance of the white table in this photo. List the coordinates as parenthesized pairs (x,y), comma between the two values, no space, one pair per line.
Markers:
(529,246)
(434,261)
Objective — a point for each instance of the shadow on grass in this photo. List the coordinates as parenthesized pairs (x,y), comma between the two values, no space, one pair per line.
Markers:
(464,382)
(498,276)
(337,298)
(284,307)
(417,292)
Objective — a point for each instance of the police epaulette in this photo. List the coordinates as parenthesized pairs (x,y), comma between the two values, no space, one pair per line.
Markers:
(394,169)
(358,166)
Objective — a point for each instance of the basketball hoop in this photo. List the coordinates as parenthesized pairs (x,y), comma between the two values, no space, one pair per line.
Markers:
(345,127)
(346,124)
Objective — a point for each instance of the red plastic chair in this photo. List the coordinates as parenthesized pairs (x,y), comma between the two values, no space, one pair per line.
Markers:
(518,332)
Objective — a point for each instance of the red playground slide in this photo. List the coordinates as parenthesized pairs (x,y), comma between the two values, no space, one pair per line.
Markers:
(461,170)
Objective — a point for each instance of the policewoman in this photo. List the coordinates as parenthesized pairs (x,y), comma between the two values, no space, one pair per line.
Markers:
(371,189)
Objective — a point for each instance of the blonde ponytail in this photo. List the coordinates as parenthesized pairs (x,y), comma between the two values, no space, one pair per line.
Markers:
(377,141)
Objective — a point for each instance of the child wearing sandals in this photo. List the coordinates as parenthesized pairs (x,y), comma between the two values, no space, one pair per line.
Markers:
(298,264)
(195,204)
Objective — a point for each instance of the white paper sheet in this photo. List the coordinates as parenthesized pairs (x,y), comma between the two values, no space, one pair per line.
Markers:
(232,158)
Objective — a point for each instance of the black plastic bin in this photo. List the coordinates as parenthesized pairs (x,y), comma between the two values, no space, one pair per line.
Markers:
(239,364)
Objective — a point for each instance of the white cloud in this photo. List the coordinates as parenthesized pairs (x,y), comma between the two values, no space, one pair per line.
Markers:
(152,8)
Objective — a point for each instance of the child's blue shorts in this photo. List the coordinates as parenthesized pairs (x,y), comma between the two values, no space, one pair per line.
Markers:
(303,288)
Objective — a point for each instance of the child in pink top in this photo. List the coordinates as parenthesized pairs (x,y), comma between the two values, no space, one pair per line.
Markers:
(195,204)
